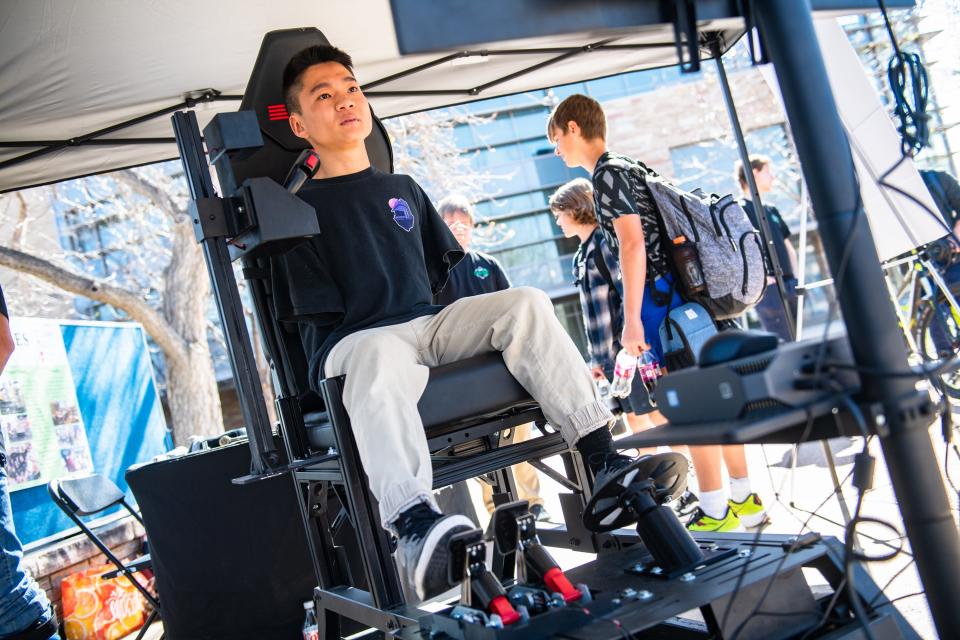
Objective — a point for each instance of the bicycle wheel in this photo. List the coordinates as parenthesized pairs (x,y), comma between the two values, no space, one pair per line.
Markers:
(936,324)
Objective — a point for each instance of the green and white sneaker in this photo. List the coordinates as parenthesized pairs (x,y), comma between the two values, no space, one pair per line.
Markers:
(700,521)
(751,511)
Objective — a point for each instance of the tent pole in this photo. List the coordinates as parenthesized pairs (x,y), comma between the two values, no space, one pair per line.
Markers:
(87,138)
(895,409)
(765,230)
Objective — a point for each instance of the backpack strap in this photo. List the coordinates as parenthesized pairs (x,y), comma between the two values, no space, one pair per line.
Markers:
(603,269)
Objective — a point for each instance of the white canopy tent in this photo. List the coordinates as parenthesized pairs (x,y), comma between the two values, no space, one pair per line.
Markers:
(86,86)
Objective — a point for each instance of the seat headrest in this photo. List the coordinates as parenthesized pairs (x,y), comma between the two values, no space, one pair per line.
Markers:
(264,96)
(733,344)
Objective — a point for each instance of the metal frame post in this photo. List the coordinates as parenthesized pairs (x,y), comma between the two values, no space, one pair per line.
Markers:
(875,336)
(765,229)
(264,454)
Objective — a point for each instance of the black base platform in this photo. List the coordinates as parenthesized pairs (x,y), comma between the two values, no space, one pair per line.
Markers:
(754,588)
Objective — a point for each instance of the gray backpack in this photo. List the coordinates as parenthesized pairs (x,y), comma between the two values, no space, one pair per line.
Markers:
(731,254)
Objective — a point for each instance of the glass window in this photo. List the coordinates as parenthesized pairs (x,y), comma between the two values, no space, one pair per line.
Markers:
(87,239)
(710,165)
(519,231)
(569,90)
(605,88)
(463,136)
(570,316)
(532,124)
(497,131)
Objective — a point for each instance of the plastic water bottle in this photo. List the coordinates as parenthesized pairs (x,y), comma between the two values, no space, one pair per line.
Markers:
(686,258)
(603,388)
(623,371)
(650,373)
(310,629)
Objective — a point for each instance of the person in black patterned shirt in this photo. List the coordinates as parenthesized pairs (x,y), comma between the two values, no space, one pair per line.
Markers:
(627,216)
(629,219)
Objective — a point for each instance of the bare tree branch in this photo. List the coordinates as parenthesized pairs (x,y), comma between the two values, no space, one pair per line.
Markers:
(173,346)
(149,190)
(16,240)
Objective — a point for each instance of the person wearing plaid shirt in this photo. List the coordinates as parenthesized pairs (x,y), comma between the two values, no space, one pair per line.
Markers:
(596,272)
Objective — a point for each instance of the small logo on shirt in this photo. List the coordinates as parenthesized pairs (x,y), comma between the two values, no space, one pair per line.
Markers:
(481,272)
(402,214)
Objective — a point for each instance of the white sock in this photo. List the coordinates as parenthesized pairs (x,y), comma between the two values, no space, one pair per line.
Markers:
(714,503)
(740,489)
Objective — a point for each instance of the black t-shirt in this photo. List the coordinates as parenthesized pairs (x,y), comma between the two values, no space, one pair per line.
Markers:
(381,254)
(781,233)
(477,273)
(620,188)
(3,305)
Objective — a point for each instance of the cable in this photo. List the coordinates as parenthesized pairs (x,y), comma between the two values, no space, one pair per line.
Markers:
(903,70)
(904,597)
(889,582)
(776,571)
(848,543)
(915,135)
(808,428)
(908,83)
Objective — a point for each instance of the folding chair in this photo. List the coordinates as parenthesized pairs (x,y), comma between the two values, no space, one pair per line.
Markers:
(95,494)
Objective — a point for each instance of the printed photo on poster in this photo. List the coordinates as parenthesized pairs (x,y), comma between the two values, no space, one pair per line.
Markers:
(22,463)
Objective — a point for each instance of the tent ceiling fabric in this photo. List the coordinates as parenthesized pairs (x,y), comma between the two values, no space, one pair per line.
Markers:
(72,67)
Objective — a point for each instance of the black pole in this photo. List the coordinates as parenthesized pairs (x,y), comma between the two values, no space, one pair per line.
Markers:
(264,455)
(872,327)
(761,213)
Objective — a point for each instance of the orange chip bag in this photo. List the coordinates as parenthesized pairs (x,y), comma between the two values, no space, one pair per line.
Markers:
(98,609)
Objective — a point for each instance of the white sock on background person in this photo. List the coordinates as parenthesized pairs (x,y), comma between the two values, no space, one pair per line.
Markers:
(740,489)
(714,503)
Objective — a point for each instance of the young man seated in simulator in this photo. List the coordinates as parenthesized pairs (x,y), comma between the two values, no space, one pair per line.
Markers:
(361,292)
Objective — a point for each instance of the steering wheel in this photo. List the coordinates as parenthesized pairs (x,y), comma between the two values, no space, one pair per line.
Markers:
(667,472)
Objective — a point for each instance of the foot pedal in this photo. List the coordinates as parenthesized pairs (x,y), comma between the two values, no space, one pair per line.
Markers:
(515,530)
(479,589)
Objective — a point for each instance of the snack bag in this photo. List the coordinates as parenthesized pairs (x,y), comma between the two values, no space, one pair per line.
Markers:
(98,609)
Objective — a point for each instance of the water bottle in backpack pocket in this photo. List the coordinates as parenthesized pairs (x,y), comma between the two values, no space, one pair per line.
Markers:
(683,333)
(729,249)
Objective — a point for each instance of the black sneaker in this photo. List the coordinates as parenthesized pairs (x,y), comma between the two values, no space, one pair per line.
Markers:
(686,504)
(540,513)
(422,553)
(612,464)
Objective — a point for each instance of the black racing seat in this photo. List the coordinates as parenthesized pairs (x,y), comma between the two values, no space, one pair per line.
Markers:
(477,387)
(469,390)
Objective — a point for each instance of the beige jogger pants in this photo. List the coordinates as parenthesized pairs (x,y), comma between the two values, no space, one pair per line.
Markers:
(386,371)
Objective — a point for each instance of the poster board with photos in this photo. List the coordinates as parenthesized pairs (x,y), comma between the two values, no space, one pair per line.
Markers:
(43,433)
(75,398)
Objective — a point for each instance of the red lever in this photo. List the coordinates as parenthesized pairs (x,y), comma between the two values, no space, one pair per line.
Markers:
(502,607)
(557,582)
